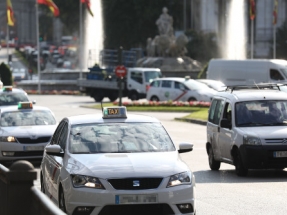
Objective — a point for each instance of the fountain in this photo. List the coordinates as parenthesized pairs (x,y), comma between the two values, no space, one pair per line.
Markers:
(236,31)
(93,42)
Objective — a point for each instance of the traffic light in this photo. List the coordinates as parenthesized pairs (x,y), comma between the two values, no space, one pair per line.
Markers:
(40,38)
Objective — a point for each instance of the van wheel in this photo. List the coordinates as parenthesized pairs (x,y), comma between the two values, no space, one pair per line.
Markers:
(154,99)
(213,164)
(191,99)
(240,169)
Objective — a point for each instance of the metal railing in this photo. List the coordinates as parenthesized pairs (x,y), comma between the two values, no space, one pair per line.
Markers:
(18,194)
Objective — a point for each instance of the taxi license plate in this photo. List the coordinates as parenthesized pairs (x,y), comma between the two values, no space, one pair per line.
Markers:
(33,148)
(280,154)
(144,198)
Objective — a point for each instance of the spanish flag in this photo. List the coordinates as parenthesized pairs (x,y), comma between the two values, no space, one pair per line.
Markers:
(275,12)
(252,9)
(51,5)
(88,6)
(10,14)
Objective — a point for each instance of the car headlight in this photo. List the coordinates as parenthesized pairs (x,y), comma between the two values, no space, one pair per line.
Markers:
(179,179)
(86,181)
(8,139)
(249,140)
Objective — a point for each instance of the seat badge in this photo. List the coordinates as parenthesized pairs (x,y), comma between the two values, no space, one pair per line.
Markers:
(136,183)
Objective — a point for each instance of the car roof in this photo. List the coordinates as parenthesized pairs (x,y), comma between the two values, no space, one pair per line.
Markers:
(98,118)
(145,69)
(252,94)
(15,108)
(14,90)
(174,79)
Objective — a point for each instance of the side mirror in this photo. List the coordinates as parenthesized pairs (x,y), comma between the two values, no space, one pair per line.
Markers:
(225,123)
(185,147)
(54,150)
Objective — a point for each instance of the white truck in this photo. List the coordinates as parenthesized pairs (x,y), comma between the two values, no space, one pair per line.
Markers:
(245,72)
(100,84)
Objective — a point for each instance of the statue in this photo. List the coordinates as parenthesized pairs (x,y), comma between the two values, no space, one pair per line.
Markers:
(166,51)
(164,23)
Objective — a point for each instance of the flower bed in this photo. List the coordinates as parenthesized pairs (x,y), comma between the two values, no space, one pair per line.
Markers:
(53,92)
(166,104)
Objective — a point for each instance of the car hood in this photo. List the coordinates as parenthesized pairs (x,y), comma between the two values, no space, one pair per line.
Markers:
(154,164)
(266,131)
(32,131)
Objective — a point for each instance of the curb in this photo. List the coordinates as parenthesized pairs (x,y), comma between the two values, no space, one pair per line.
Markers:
(195,121)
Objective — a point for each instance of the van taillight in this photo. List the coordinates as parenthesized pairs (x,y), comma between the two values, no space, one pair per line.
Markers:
(147,87)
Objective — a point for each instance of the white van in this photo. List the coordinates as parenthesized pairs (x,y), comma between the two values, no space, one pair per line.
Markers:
(244,72)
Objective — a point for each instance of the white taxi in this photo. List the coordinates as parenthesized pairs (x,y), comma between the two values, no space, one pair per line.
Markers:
(116,164)
(25,131)
(12,96)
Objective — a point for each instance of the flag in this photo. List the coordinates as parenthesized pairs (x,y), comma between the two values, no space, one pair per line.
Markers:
(252,9)
(10,14)
(275,12)
(51,5)
(88,6)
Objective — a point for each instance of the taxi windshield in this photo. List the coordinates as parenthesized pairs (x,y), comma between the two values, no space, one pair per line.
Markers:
(12,98)
(119,138)
(261,113)
(27,118)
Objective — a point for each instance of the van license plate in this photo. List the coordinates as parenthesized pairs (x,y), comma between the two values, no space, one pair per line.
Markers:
(144,198)
(281,154)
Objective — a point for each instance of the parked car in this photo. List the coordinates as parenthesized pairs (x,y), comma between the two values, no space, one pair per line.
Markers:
(216,85)
(178,89)
(247,128)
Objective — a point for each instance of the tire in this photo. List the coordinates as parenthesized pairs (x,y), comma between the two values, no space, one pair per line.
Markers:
(213,164)
(112,98)
(134,96)
(240,169)
(62,204)
(154,99)
(42,184)
(191,99)
(98,96)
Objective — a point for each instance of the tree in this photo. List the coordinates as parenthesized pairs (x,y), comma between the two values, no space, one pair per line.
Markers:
(6,75)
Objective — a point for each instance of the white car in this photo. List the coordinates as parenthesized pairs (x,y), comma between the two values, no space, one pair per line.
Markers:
(179,89)
(247,128)
(214,84)
(12,96)
(25,131)
(116,164)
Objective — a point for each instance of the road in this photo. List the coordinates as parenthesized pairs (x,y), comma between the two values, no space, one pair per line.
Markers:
(218,192)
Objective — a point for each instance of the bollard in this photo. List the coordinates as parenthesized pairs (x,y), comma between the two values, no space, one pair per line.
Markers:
(19,182)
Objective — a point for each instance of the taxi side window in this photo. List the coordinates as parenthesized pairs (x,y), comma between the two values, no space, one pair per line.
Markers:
(63,136)
(275,75)
(57,133)
(215,111)
(155,84)
(166,84)
(178,85)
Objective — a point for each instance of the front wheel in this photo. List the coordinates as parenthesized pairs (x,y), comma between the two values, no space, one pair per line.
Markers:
(240,169)
(213,164)
(154,99)
(191,99)
(134,96)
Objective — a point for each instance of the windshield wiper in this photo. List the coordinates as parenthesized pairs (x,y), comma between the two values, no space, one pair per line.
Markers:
(251,123)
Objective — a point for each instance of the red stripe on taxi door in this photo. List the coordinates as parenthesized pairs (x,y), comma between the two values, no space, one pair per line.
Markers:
(181,95)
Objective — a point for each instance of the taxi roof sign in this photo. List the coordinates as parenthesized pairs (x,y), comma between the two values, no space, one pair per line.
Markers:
(114,112)
(25,105)
(7,88)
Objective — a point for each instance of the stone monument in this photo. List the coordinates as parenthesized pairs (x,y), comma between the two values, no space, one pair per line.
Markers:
(165,51)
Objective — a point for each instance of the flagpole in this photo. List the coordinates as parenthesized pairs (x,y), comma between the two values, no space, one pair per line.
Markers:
(252,37)
(38,47)
(7,42)
(80,42)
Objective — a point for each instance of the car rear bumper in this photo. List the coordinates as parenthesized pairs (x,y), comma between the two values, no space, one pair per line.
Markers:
(263,157)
